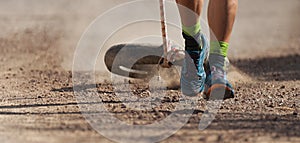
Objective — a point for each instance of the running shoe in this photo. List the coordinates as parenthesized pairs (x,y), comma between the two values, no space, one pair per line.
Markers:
(193,74)
(217,87)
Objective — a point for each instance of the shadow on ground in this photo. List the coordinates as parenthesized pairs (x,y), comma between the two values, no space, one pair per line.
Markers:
(284,68)
(281,125)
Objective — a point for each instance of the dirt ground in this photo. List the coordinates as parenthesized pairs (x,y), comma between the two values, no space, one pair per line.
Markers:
(37,103)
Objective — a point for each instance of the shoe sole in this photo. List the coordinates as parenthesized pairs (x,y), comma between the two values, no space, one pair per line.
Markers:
(218,92)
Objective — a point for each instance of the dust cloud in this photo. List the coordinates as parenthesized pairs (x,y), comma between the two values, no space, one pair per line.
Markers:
(262,26)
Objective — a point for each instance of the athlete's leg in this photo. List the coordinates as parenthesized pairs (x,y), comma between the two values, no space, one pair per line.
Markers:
(193,74)
(221,17)
(190,11)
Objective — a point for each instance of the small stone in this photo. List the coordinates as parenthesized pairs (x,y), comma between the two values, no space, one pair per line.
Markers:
(123,106)
(295,113)
(212,138)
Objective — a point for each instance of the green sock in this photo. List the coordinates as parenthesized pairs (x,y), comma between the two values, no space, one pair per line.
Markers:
(219,48)
(191,30)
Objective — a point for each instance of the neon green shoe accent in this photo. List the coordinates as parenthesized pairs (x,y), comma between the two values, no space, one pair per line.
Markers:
(219,47)
(191,30)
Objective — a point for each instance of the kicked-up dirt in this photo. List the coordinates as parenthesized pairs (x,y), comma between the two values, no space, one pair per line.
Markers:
(37,102)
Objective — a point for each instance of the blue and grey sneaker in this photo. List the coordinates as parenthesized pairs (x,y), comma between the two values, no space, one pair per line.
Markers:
(217,87)
(193,74)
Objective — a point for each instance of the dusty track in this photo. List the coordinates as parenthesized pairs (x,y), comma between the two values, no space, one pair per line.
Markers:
(37,103)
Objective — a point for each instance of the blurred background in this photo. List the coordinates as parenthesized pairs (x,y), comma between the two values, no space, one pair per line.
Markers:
(263,27)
